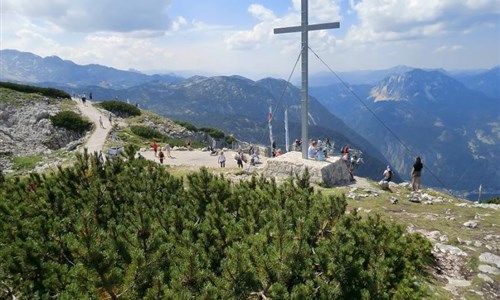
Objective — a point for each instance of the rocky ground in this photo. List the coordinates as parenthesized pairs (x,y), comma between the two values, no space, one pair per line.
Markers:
(465,235)
(26,130)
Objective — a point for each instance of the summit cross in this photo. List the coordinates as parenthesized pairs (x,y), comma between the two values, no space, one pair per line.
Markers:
(304,28)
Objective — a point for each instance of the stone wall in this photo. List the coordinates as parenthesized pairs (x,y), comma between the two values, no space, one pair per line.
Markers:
(332,172)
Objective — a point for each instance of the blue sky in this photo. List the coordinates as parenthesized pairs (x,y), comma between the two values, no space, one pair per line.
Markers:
(227,37)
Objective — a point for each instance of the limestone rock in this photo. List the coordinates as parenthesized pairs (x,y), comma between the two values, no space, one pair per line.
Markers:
(485,277)
(331,172)
(489,269)
(488,205)
(414,199)
(490,258)
(450,250)
(453,284)
(26,129)
(471,224)
(405,185)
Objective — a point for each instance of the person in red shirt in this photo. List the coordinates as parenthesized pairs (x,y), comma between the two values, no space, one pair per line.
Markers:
(155,147)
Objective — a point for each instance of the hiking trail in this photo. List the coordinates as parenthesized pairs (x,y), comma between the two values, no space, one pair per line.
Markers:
(97,138)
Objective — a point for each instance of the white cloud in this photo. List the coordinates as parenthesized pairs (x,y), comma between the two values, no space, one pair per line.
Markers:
(252,39)
(446,48)
(245,40)
(178,24)
(321,10)
(90,16)
(383,20)
(262,33)
(261,13)
(140,35)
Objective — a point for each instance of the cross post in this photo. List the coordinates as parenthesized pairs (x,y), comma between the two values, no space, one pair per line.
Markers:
(304,28)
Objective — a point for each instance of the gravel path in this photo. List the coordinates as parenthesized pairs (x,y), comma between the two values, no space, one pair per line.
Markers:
(198,158)
(98,137)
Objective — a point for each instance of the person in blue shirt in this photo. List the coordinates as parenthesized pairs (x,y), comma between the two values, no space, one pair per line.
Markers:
(312,151)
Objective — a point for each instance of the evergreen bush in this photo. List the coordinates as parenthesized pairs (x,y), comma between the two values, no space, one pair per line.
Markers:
(147,132)
(495,200)
(213,132)
(186,125)
(153,134)
(120,108)
(49,92)
(71,121)
(230,139)
(130,229)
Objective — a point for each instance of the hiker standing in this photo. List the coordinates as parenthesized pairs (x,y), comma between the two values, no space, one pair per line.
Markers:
(100,122)
(168,148)
(162,156)
(222,159)
(416,173)
(155,147)
(239,159)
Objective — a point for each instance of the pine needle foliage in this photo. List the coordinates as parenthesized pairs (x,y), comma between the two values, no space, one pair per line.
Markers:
(120,108)
(49,92)
(130,230)
(70,121)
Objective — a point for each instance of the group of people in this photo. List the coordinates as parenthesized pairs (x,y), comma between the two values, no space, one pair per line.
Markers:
(241,157)
(110,119)
(416,174)
(84,98)
(160,153)
(318,149)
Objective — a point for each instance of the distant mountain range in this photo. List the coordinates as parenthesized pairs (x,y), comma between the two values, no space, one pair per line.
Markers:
(454,128)
(450,119)
(354,77)
(16,66)
(488,82)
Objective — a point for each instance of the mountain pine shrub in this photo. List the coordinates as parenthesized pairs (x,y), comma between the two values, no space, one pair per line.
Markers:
(213,132)
(49,92)
(131,230)
(186,125)
(70,121)
(120,108)
(147,132)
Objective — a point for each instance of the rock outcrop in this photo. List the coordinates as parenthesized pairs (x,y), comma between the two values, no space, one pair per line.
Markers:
(331,172)
(26,129)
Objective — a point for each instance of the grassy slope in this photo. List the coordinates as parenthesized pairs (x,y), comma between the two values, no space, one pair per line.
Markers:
(446,217)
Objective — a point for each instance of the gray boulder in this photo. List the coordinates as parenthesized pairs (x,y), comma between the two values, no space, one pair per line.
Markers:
(331,172)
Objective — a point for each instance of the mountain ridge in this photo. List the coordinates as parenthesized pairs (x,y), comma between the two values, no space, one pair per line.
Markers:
(436,116)
(26,67)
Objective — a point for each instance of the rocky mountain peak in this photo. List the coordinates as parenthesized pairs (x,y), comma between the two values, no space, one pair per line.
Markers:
(416,84)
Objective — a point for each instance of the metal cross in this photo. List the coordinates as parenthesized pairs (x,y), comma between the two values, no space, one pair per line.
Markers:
(304,28)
